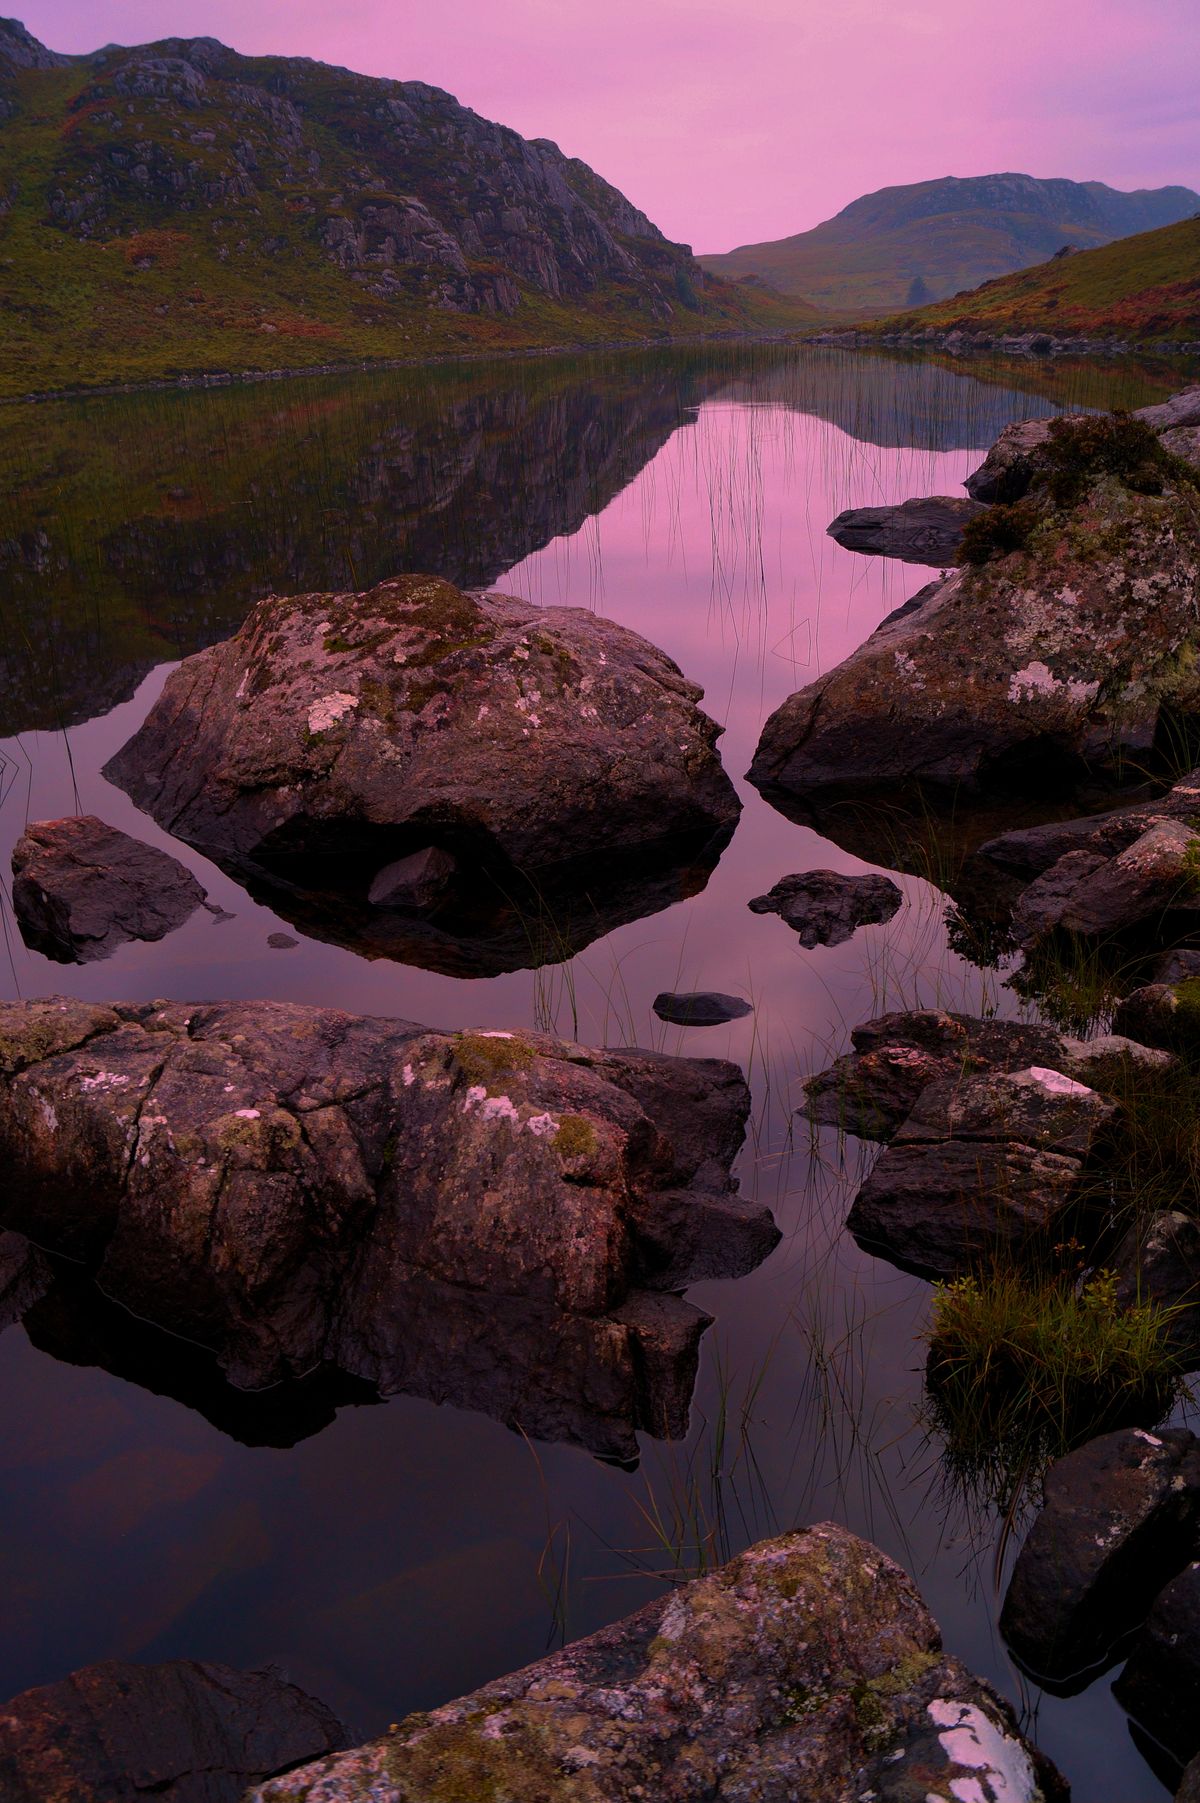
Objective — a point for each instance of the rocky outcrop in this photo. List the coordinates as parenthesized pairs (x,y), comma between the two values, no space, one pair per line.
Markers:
(984,1167)
(1030,851)
(291,1185)
(81,889)
(826,907)
(927,531)
(1152,885)
(1066,644)
(1160,1685)
(1018,458)
(807,1667)
(185,1731)
(1119,1518)
(337,735)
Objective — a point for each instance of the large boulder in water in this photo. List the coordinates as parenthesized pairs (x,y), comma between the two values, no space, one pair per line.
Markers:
(273,1181)
(185,1731)
(336,736)
(806,1668)
(1065,647)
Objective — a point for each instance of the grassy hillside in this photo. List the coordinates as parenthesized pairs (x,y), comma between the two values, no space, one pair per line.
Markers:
(1141,288)
(928,240)
(178,209)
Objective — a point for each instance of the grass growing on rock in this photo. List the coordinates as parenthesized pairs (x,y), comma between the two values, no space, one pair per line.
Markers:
(487,1058)
(1022,1368)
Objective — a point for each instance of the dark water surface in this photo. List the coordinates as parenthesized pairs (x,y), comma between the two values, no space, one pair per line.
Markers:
(390,1556)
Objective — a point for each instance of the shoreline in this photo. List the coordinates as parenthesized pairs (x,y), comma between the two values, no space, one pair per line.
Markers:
(961,342)
(368,366)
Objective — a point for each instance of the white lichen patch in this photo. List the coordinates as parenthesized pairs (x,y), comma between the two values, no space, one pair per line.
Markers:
(329,710)
(248,1114)
(541,1125)
(101,1080)
(494,1033)
(1037,680)
(906,666)
(1055,1084)
(993,1767)
(410,1076)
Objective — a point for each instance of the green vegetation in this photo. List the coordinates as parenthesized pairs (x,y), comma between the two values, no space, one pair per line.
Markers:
(1139,289)
(488,1058)
(998,532)
(906,246)
(1022,1368)
(170,233)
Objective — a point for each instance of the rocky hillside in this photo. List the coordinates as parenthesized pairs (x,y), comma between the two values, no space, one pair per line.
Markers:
(1141,289)
(919,243)
(177,207)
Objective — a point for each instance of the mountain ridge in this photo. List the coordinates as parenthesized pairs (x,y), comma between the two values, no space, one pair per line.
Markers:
(165,208)
(924,241)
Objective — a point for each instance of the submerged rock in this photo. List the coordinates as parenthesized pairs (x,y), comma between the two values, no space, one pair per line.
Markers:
(927,531)
(826,907)
(1066,653)
(700,1008)
(1160,1685)
(536,751)
(81,889)
(1119,1518)
(185,1731)
(273,1181)
(806,1668)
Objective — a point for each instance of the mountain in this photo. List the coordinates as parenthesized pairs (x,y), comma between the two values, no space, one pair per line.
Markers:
(1140,288)
(177,208)
(910,245)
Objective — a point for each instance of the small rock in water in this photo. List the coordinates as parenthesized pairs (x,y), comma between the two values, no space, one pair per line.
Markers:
(700,1008)
(827,908)
(413,882)
(81,888)
(281,942)
(928,530)
(218,913)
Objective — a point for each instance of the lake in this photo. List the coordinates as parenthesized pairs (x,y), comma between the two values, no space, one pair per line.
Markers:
(390,1555)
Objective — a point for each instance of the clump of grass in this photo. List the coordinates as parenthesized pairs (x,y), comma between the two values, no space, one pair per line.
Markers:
(999,532)
(1083,447)
(1022,1368)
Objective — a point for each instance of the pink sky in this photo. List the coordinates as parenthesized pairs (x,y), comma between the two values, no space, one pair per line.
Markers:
(730,121)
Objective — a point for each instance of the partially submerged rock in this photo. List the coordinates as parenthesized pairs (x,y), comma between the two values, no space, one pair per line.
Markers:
(272,1181)
(1068,652)
(983,1167)
(1119,1518)
(700,1008)
(1158,1262)
(81,888)
(186,1731)
(1030,851)
(806,1668)
(927,531)
(536,751)
(826,907)
(1152,885)
(1160,1685)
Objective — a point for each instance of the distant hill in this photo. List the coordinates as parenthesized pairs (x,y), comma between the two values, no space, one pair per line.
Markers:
(1140,288)
(907,246)
(179,208)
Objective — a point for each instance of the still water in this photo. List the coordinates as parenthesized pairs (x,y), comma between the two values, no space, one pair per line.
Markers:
(391,1555)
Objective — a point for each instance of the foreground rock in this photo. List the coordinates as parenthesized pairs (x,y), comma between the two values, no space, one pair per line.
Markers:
(827,908)
(1119,1519)
(1160,1686)
(81,889)
(700,1008)
(1067,650)
(276,1182)
(807,1668)
(185,1731)
(927,531)
(337,742)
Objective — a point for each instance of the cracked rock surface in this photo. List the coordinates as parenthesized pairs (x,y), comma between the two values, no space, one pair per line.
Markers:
(806,1668)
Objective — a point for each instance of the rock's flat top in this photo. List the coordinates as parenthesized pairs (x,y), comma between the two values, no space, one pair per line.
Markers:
(927,531)
(185,1731)
(806,1668)
(81,888)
